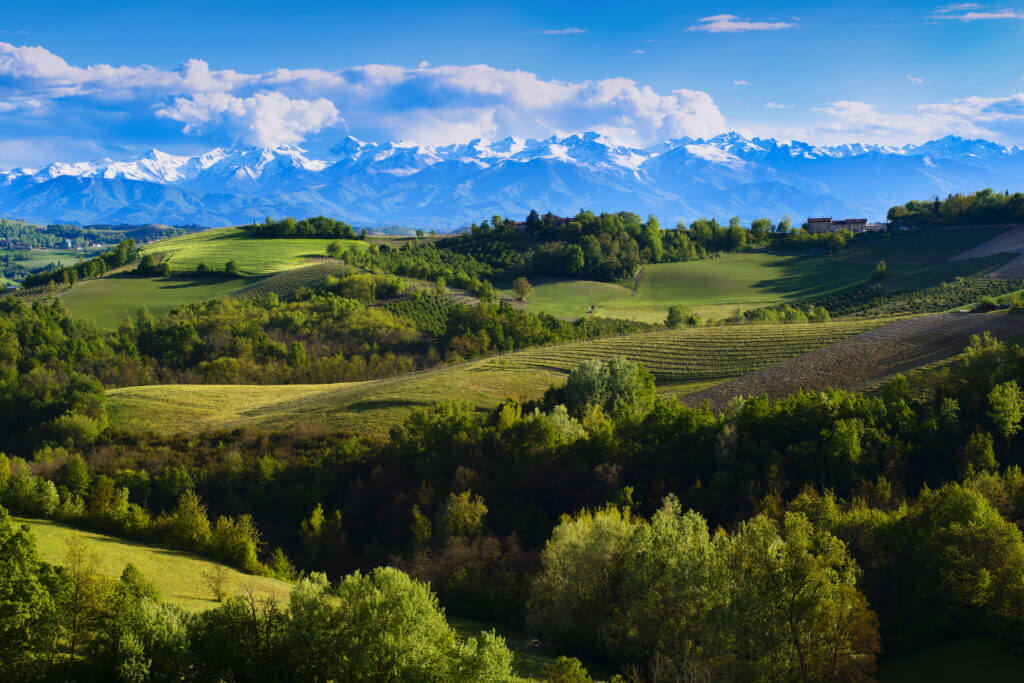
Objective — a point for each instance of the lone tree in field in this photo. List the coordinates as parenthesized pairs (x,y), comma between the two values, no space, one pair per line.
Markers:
(217,578)
(681,314)
(523,288)
(676,315)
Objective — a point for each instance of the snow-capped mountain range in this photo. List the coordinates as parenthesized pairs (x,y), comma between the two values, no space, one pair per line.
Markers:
(402,183)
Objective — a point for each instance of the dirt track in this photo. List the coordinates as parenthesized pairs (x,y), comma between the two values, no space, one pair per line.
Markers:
(867,358)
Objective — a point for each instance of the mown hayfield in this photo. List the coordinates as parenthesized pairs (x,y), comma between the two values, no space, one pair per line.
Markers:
(713,287)
(716,287)
(252,255)
(178,575)
(684,361)
(107,300)
(570,298)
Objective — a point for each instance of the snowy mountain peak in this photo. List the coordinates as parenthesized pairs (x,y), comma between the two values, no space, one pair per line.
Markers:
(402,182)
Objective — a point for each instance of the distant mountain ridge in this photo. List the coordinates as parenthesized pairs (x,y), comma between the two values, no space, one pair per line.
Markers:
(444,187)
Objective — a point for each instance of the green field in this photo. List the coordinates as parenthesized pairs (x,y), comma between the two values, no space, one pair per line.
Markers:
(571,298)
(716,287)
(39,258)
(106,301)
(684,361)
(178,575)
(713,287)
(252,255)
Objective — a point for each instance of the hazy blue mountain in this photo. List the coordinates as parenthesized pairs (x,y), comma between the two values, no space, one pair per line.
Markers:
(402,183)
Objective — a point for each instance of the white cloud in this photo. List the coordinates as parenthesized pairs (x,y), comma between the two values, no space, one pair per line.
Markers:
(378,101)
(741,82)
(914,79)
(776,105)
(959,7)
(730,23)
(994,118)
(267,119)
(970,11)
(570,31)
(637,52)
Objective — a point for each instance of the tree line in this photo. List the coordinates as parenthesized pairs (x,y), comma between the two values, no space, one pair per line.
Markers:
(985,207)
(124,253)
(318,226)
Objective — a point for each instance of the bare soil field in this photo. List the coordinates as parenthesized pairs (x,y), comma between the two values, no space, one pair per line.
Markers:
(1014,270)
(1009,242)
(865,359)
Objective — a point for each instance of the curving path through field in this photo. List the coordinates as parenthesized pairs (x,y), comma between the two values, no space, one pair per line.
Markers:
(866,358)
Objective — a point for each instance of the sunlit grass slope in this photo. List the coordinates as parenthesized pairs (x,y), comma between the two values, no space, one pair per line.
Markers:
(252,255)
(178,575)
(106,301)
(683,361)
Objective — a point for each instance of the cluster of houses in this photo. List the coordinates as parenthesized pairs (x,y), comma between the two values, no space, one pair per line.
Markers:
(14,245)
(820,225)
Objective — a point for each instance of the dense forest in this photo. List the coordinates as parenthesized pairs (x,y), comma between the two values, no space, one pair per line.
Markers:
(985,207)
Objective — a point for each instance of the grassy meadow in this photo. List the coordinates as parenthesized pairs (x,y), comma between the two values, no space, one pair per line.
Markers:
(40,258)
(178,575)
(106,301)
(718,286)
(253,256)
(684,361)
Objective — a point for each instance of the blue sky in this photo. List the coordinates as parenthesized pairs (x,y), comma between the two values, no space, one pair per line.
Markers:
(78,80)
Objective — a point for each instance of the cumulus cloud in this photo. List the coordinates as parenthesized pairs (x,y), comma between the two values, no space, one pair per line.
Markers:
(730,23)
(914,79)
(741,82)
(267,119)
(998,118)
(776,105)
(430,104)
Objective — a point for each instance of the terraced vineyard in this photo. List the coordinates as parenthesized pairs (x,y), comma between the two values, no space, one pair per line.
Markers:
(867,359)
(288,283)
(698,353)
(684,360)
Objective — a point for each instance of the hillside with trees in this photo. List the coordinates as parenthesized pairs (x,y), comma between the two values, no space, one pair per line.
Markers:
(985,207)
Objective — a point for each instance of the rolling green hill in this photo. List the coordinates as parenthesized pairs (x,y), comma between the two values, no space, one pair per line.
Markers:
(683,360)
(716,287)
(107,300)
(253,256)
(178,575)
